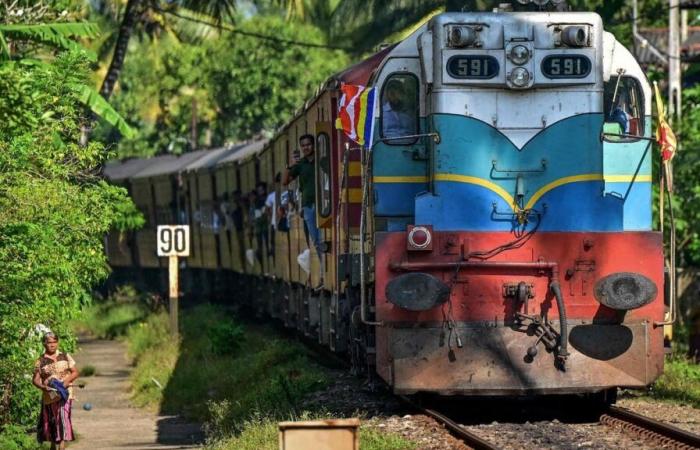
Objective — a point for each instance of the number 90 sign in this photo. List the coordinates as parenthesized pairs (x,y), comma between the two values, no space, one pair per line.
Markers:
(173,240)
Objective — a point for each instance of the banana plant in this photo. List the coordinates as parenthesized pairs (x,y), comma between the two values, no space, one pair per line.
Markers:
(58,36)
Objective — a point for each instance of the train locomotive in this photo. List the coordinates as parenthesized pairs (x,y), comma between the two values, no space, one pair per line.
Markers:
(495,239)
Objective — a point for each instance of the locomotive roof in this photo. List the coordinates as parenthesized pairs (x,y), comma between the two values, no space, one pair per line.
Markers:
(171,165)
(244,151)
(116,170)
(212,157)
(361,72)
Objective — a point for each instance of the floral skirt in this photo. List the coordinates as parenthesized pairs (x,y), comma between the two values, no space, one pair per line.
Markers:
(55,422)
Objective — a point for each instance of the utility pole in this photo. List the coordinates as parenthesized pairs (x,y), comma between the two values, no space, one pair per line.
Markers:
(635,31)
(674,61)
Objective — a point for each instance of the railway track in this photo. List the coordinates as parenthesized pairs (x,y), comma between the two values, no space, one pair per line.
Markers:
(457,430)
(664,434)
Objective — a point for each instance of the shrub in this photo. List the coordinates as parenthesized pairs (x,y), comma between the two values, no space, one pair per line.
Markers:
(226,337)
(14,437)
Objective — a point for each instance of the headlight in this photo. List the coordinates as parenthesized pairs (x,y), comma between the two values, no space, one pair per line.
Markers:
(575,36)
(519,55)
(420,238)
(417,291)
(520,77)
(461,36)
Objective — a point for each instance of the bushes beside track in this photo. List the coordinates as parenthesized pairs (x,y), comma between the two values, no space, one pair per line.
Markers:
(238,379)
(680,382)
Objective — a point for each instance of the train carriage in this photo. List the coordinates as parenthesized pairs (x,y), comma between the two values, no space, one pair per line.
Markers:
(497,237)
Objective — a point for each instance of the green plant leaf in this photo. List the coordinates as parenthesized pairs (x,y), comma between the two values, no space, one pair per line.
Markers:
(93,100)
(55,34)
(4,49)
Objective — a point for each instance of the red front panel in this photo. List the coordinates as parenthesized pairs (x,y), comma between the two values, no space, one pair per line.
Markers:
(477,295)
(608,348)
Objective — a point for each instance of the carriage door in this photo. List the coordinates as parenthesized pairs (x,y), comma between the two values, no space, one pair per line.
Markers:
(399,156)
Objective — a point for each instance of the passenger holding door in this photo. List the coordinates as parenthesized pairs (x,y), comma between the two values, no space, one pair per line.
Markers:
(305,171)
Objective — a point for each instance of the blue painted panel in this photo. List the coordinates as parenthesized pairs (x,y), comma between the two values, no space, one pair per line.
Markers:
(398,224)
(468,147)
(630,158)
(396,199)
(579,206)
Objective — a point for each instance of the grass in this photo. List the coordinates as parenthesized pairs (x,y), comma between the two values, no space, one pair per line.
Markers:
(204,372)
(112,318)
(262,434)
(680,382)
(87,370)
(238,380)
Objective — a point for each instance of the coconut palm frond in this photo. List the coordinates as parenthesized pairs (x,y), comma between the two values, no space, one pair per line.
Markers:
(54,34)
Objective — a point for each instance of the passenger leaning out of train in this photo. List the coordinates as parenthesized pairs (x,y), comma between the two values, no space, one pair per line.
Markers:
(260,220)
(305,171)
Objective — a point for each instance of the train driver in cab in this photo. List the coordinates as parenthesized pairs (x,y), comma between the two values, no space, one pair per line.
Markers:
(396,121)
(305,171)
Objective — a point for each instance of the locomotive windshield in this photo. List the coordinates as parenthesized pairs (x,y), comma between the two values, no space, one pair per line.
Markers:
(623,107)
(400,108)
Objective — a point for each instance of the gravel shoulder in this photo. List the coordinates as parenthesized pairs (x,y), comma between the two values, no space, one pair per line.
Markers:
(682,416)
(113,423)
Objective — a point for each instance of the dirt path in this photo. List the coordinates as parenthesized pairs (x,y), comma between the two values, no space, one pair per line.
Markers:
(113,423)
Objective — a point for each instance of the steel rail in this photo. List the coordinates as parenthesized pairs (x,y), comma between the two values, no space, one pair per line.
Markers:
(469,438)
(666,434)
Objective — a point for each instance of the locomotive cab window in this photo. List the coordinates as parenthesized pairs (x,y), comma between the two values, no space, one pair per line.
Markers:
(623,108)
(323,182)
(399,101)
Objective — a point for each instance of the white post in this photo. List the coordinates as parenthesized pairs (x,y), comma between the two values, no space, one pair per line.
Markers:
(674,62)
(173,293)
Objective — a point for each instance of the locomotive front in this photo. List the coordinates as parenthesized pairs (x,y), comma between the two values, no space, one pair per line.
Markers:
(514,251)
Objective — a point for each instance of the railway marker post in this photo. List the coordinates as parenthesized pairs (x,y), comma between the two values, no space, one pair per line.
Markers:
(173,242)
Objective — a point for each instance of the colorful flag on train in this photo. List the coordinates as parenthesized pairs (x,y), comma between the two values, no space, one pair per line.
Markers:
(664,134)
(356,113)
(666,139)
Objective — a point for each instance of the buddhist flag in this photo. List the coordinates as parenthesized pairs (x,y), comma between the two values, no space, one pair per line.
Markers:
(664,134)
(665,138)
(356,113)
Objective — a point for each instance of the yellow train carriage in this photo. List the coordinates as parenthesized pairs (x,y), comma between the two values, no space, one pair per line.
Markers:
(206,232)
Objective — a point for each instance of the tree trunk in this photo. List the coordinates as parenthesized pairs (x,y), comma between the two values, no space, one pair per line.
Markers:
(125,29)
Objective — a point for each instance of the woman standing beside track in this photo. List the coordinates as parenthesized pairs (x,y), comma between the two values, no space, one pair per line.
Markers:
(54,373)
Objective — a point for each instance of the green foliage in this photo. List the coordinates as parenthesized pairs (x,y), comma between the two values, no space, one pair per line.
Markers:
(54,34)
(261,433)
(110,320)
(233,87)
(226,337)
(679,382)
(87,370)
(687,180)
(257,85)
(14,437)
(55,211)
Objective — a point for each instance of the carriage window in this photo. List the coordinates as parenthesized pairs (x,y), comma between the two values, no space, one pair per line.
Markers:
(623,108)
(400,108)
(323,183)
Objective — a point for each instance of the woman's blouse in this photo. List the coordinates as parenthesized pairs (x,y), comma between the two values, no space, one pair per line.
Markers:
(60,368)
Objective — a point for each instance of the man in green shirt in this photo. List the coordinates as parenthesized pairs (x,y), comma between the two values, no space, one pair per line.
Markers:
(305,171)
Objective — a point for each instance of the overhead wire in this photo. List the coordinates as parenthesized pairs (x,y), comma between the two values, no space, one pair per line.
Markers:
(265,37)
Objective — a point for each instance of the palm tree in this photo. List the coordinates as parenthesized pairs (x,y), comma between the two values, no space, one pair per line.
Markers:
(136,11)
(58,35)
(363,24)
(366,24)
